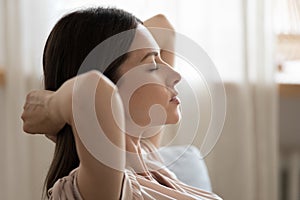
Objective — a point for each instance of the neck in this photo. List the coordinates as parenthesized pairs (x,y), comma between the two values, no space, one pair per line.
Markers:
(134,158)
(133,144)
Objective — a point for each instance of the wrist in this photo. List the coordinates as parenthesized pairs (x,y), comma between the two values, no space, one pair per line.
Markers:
(54,112)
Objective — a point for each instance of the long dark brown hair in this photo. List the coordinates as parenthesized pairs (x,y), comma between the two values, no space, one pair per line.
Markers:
(70,41)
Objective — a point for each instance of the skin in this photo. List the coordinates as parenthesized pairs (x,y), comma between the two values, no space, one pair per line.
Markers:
(53,109)
(166,42)
(154,80)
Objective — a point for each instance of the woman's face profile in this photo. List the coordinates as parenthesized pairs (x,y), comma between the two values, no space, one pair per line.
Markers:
(147,84)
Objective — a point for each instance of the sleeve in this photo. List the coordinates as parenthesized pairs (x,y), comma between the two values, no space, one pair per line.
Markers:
(65,188)
(131,189)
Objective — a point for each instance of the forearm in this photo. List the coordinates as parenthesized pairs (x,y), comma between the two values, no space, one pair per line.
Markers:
(60,103)
(164,34)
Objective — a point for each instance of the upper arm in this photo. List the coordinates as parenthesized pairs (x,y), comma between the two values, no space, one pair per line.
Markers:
(96,179)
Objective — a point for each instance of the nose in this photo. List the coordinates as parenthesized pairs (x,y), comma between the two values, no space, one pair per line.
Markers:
(173,77)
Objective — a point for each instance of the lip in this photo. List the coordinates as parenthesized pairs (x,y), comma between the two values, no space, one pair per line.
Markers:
(175,100)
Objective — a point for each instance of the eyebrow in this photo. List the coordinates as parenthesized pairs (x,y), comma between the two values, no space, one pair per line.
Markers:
(155,53)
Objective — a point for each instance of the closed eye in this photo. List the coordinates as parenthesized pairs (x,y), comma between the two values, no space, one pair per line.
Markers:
(151,56)
(153,53)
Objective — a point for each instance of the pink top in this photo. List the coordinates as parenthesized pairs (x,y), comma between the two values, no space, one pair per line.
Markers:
(162,185)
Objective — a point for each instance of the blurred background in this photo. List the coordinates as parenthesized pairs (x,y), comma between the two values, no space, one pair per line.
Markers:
(255,45)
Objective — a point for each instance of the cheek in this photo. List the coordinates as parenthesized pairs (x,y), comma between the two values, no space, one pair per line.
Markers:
(142,100)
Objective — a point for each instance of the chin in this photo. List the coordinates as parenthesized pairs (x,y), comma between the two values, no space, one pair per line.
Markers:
(174,119)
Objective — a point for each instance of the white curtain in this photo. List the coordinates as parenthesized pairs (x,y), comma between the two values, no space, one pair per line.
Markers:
(24,159)
(246,155)
(236,34)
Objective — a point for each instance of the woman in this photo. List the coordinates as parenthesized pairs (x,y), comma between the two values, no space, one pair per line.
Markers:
(76,172)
